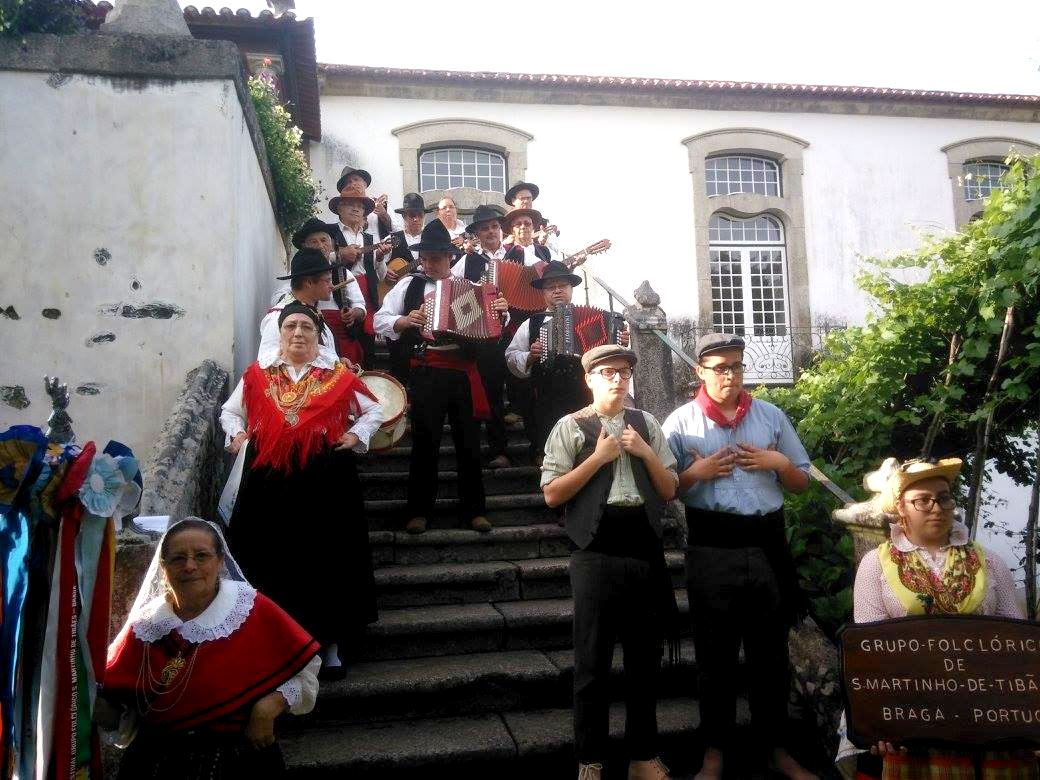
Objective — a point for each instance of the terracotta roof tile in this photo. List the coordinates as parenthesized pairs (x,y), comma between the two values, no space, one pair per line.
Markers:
(681,85)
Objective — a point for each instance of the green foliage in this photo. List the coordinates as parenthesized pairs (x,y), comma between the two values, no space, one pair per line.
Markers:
(823,554)
(874,390)
(295,193)
(59,17)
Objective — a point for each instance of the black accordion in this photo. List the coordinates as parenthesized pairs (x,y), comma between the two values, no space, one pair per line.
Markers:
(574,330)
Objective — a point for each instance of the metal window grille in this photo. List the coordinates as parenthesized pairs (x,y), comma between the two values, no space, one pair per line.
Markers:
(981,178)
(740,173)
(448,169)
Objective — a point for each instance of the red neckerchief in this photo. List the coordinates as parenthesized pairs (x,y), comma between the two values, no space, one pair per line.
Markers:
(714,412)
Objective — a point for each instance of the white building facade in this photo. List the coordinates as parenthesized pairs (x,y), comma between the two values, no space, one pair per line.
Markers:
(746,206)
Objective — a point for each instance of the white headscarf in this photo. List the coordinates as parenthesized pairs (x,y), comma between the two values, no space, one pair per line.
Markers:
(152,595)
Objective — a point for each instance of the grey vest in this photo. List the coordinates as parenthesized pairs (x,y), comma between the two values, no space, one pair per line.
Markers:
(583,512)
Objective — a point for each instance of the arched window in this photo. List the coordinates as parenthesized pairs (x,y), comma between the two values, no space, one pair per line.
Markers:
(981,177)
(748,275)
(448,169)
(728,174)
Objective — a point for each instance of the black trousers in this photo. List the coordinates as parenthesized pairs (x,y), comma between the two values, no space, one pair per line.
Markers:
(491,363)
(437,393)
(613,600)
(734,599)
(554,397)
(400,359)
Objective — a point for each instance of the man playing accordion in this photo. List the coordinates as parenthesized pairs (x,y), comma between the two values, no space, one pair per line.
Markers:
(444,382)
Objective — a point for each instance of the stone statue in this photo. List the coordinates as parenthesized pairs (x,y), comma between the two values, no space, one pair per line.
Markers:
(59,424)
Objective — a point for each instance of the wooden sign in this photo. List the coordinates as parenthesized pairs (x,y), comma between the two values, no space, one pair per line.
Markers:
(960,679)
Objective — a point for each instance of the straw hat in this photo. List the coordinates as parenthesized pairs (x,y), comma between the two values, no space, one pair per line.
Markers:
(892,479)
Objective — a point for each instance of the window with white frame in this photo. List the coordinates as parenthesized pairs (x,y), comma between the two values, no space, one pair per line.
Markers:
(448,169)
(734,173)
(748,269)
(981,177)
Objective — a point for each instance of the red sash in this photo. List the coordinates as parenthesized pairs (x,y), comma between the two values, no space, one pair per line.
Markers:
(362,280)
(439,358)
(346,346)
(283,444)
(227,675)
(714,412)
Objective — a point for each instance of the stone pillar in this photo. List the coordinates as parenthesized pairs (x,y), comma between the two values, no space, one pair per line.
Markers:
(654,382)
(146,17)
(867,524)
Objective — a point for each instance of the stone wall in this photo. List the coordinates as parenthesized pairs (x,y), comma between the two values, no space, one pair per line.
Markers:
(137,220)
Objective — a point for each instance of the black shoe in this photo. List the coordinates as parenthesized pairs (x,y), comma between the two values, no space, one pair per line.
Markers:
(332,673)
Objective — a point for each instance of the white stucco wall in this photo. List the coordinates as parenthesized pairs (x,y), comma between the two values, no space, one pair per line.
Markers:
(163,178)
(872,184)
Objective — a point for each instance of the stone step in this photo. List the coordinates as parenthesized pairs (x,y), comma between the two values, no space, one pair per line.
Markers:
(459,545)
(474,583)
(396,458)
(508,510)
(512,744)
(419,632)
(383,485)
(469,684)
(514,433)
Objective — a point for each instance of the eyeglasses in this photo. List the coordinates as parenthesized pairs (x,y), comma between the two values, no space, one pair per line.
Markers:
(180,561)
(725,369)
(610,374)
(925,503)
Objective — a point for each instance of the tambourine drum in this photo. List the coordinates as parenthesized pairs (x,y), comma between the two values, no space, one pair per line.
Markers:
(392,397)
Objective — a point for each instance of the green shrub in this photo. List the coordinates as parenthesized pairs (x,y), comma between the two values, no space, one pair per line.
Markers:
(59,17)
(295,193)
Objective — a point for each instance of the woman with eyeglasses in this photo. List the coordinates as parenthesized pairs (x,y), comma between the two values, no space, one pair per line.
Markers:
(929,566)
(202,667)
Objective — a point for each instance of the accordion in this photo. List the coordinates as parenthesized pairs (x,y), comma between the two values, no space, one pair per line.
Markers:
(514,282)
(460,309)
(574,330)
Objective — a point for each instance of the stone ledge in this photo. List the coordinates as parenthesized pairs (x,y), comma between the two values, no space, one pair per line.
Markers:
(137,61)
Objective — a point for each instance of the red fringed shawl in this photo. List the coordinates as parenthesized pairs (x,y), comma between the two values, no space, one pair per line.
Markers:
(286,437)
(227,675)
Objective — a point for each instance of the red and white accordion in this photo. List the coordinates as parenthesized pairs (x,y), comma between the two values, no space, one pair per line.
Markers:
(514,282)
(460,309)
(574,330)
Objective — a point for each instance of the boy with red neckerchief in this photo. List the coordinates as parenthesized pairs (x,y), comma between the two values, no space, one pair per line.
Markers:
(736,456)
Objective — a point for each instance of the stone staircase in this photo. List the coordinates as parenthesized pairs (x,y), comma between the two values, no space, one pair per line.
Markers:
(468,671)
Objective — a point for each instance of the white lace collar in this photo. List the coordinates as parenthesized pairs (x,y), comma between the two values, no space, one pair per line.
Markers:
(958,536)
(225,615)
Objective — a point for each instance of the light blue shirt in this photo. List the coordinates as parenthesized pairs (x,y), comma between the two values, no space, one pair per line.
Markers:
(689,430)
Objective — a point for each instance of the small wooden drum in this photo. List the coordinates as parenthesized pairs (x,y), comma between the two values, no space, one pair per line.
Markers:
(392,397)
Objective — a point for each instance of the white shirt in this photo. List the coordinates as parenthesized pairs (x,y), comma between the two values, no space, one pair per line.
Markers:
(459,269)
(456,231)
(271,342)
(373,222)
(409,239)
(518,350)
(357,238)
(234,416)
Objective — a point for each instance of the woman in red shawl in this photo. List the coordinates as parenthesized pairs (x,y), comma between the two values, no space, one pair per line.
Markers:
(298,526)
(203,666)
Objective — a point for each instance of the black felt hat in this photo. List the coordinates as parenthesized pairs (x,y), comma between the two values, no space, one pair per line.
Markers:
(521,185)
(710,343)
(312,225)
(483,214)
(309,262)
(555,270)
(412,201)
(436,238)
(347,170)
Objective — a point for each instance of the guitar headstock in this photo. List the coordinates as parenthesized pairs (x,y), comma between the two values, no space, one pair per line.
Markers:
(600,246)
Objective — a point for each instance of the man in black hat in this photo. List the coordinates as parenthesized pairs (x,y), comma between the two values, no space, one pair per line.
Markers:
(413,210)
(444,382)
(491,360)
(310,282)
(347,305)
(612,468)
(522,196)
(520,225)
(379,222)
(552,391)
(736,457)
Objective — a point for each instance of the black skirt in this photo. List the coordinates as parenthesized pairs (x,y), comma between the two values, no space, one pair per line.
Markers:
(301,539)
(198,755)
